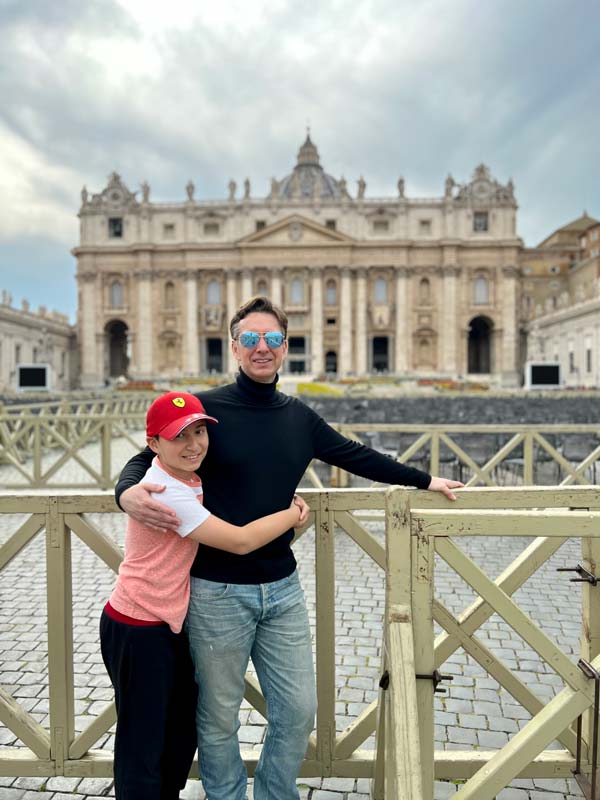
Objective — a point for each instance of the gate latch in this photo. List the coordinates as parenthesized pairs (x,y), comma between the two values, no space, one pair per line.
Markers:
(437,678)
(585,576)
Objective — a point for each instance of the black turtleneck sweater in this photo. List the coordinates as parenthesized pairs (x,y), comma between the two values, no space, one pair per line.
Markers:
(257,455)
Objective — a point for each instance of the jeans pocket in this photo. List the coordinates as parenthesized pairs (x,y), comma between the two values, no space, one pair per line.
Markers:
(208,590)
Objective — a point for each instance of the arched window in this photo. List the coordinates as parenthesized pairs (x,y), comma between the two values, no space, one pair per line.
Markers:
(331,293)
(116,294)
(262,288)
(424,292)
(297,292)
(481,291)
(213,293)
(380,291)
(169,294)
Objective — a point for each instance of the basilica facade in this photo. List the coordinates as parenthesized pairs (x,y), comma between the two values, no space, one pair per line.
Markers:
(398,285)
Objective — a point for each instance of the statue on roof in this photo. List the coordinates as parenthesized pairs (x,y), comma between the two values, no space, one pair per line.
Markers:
(145,191)
(401,186)
(247,189)
(189,188)
(232,186)
(449,186)
(362,186)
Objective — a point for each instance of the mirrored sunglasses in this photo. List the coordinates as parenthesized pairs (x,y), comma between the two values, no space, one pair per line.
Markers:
(273,339)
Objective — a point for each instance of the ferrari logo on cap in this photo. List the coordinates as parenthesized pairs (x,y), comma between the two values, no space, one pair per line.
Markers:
(179,402)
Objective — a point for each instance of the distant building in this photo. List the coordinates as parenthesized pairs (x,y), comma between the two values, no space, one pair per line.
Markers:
(564,325)
(36,337)
(399,285)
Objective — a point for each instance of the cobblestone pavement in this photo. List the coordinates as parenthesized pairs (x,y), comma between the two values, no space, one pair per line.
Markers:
(476,712)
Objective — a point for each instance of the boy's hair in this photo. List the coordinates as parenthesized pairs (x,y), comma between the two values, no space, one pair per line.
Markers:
(261,305)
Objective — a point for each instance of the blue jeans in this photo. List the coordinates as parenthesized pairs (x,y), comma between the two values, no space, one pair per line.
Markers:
(228,623)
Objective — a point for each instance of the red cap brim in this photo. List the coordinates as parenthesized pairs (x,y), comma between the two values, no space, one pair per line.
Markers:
(171,430)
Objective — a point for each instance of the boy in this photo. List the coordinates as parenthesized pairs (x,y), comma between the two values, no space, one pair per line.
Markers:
(144,649)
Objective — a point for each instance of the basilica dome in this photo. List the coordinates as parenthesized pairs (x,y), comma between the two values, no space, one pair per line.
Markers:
(309,179)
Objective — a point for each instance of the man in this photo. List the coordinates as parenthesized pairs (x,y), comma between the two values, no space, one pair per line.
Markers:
(253,605)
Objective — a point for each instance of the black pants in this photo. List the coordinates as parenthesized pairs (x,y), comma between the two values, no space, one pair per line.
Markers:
(155,694)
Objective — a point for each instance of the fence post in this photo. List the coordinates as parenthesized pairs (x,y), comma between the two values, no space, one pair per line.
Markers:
(528,459)
(60,634)
(399,589)
(325,633)
(590,619)
(105,457)
(423,562)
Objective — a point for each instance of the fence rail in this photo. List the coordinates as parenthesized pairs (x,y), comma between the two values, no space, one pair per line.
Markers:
(419,527)
(87,449)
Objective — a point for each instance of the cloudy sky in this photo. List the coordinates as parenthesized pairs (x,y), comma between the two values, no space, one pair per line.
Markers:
(212,91)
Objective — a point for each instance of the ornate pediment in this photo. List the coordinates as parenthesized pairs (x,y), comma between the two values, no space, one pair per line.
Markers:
(295,230)
(114,198)
(484,191)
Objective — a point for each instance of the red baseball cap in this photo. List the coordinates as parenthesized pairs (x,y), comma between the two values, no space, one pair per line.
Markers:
(172,412)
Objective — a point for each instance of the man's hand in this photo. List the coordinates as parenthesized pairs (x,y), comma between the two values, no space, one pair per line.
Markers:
(136,502)
(443,485)
(304,510)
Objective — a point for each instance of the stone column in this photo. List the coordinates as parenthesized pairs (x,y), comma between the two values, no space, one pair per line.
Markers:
(246,285)
(448,331)
(145,364)
(276,277)
(509,325)
(361,322)
(345,362)
(90,372)
(191,349)
(232,306)
(316,340)
(403,343)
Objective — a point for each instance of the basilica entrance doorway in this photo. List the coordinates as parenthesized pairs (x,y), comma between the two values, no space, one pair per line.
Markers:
(480,345)
(115,347)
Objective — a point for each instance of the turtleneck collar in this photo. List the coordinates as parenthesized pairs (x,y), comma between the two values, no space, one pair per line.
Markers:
(264,393)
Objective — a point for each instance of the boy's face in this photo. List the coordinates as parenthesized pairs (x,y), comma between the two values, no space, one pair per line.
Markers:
(183,455)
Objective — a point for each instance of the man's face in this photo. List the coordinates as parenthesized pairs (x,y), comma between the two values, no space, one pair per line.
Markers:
(260,362)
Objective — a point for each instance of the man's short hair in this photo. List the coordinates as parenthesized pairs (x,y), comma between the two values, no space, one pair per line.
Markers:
(261,305)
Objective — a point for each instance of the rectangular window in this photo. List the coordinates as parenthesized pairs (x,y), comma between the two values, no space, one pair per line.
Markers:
(331,224)
(480,221)
(260,224)
(331,320)
(211,228)
(169,231)
(115,227)
(381,226)
(424,227)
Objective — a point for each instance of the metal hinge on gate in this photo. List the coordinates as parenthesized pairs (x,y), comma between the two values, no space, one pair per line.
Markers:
(585,576)
(588,789)
(437,678)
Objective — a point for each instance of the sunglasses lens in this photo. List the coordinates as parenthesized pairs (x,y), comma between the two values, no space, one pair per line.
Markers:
(249,339)
(274,339)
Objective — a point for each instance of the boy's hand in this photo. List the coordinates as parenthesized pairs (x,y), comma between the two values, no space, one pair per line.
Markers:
(304,510)
(136,502)
(445,486)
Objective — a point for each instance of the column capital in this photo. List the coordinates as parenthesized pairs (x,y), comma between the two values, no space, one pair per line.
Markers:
(361,272)
(451,272)
(143,274)
(401,272)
